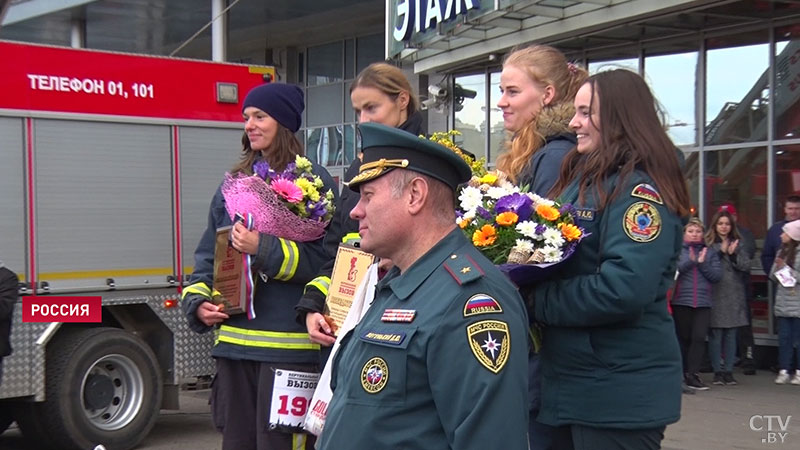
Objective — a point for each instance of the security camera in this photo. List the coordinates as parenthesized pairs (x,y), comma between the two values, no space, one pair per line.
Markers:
(437,90)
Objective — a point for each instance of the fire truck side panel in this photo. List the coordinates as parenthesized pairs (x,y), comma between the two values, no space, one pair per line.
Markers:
(205,155)
(12,194)
(109,186)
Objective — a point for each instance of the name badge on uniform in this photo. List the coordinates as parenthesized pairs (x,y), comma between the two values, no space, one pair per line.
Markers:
(398,315)
(291,395)
(585,214)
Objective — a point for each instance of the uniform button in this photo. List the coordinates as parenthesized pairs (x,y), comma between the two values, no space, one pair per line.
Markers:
(453,256)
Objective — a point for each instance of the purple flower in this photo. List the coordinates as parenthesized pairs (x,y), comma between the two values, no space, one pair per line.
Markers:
(316,210)
(483,212)
(262,169)
(517,203)
(568,210)
(540,229)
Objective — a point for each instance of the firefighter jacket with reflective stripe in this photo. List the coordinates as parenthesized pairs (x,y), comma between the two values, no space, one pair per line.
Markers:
(282,269)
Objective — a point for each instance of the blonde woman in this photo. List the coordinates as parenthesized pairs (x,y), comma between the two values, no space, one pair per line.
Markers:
(538,86)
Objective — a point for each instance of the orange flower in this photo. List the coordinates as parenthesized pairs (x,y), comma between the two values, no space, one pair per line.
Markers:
(484,236)
(547,212)
(570,231)
(463,224)
(507,218)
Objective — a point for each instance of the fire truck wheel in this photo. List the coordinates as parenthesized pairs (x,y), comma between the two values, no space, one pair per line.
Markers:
(103,387)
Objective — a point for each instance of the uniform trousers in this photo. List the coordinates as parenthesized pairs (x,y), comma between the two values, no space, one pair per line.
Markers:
(241,395)
(580,437)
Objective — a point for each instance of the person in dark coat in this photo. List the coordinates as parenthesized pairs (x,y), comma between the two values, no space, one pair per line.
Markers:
(538,87)
(611,363)
(9,284)
(698,270)
(772,243)
(382,94)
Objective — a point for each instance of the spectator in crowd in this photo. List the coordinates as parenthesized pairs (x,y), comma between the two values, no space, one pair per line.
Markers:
(787,303)
(745,334)
(538,88)
(791,211)
(729,306)
(698,269)
(611,364)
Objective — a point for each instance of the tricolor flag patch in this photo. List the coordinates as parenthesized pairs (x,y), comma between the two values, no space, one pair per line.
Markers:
(398,315)
(481,304)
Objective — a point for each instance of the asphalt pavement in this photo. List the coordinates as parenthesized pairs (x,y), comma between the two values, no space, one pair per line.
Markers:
(755,414)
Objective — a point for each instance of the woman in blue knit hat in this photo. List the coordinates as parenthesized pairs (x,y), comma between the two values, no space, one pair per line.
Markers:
(261,361)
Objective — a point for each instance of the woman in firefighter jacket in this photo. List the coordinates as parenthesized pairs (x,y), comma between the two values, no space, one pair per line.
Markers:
(253,356)
(380,93)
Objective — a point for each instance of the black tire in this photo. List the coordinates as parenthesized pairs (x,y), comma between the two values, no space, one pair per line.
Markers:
(103,387)
(6,418)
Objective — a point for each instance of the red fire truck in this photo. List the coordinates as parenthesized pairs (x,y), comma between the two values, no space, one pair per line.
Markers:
(107,164)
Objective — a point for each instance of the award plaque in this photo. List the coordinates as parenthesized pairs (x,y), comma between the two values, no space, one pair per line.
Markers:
(229,274)
(349,270)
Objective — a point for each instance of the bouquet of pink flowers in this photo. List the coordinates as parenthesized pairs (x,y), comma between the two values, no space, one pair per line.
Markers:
(290,204)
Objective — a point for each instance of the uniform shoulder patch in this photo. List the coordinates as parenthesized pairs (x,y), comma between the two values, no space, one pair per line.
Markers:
(481,304)
(647,192)
(463,269)
(642,222)
(490,343)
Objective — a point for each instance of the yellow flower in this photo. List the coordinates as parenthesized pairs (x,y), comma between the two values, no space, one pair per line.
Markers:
(507,218)
(463,224)
(570,231)
(547,212)
(489,178)
(485,236)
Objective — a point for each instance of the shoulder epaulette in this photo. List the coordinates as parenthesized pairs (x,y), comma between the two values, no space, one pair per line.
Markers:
(463,268)
(647,192)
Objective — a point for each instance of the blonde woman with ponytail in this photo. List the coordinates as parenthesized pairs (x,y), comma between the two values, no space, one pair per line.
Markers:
(538,87)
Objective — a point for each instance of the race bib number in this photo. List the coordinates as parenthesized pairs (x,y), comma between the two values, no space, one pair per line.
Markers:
(291,396)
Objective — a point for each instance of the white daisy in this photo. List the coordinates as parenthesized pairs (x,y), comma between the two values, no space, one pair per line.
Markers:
(496,192)
(527,228)
(551,254)
(553,237)
(524,245)
(470,198)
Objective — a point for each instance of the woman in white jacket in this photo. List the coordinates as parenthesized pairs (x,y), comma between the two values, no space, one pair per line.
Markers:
(787,303)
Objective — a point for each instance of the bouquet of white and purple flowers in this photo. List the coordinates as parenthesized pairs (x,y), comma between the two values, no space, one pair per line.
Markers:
(289,204)
(519,231)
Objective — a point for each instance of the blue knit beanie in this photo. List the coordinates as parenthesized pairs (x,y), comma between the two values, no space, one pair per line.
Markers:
(283,102)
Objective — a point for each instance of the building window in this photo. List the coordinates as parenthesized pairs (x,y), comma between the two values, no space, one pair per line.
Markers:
(672,79)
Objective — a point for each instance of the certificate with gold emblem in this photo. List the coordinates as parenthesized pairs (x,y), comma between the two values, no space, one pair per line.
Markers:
(229,275)
(349,270)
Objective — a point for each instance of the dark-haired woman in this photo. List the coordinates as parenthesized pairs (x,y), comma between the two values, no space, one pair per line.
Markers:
(610,360)
(729,305)
(249,353)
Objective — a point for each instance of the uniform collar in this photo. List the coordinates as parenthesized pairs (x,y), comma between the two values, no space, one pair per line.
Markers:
(404,284)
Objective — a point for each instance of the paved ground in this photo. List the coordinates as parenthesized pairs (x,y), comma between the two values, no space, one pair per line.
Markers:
(719,419)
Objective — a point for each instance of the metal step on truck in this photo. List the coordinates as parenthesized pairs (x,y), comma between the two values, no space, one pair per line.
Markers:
(108,162)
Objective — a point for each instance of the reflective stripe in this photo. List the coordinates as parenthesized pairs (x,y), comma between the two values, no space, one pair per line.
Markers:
(350,237)
(197,288)
(322,284)
(269,339)
(290,260)
(298,441)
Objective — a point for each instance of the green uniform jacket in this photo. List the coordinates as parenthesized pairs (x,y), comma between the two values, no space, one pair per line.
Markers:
(610,355)
(453,378)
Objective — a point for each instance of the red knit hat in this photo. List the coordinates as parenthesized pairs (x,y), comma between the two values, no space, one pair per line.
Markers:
(728,206)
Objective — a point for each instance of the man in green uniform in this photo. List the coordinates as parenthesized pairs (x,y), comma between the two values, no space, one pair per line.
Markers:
(440,358)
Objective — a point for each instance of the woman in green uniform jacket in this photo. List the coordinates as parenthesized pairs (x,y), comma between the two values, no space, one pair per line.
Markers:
(610,361)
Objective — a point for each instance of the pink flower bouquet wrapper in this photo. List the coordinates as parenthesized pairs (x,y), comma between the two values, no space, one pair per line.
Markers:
(250,194)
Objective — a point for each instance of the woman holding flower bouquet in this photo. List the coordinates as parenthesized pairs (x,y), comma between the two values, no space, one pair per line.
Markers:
(271,180)
(610,360)
(382,94)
